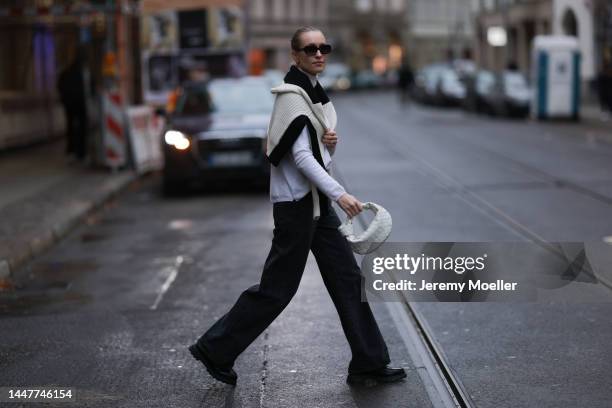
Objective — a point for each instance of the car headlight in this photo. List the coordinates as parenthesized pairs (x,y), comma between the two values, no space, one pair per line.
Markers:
(176,139)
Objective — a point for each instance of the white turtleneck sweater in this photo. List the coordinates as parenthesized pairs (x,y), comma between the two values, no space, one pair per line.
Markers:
(290,180)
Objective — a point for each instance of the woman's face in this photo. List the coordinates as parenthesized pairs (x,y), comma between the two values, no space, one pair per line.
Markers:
(314,64)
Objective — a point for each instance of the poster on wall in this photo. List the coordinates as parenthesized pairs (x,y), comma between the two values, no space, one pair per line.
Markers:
(229,27)
(193,29)
(159,32)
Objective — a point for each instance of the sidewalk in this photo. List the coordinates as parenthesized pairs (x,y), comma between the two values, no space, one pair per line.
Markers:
(42,197)
(592,116)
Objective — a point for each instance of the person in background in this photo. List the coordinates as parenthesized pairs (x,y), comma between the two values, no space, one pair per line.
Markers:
(405,82)
(71,87)
(604,85)
(301,190)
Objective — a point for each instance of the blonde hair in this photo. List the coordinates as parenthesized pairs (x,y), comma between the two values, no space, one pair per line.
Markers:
(295,39)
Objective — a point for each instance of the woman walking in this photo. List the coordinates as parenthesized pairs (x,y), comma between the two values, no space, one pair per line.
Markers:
(301,141)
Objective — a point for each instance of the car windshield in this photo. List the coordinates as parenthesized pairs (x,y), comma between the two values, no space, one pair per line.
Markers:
(241,96)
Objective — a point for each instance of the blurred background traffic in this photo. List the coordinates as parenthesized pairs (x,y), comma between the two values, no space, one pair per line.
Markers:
(79,67)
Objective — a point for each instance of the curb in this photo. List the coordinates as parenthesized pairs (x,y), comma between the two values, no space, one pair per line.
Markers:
(48,236)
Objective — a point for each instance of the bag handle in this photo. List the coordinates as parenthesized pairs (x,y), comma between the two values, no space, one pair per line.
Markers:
(346,229)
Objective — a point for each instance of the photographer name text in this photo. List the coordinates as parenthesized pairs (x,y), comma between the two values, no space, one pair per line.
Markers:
(423,263)
(404,284)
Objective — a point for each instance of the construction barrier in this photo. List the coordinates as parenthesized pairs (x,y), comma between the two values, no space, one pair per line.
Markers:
(114,138)
(145,138)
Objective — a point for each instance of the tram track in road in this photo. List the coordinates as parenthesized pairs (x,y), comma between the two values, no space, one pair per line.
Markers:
(535,172)
(441,383)
(525,168)
(470,196)
(529,170)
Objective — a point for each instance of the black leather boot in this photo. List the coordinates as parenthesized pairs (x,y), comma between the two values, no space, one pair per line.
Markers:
(226,375)
(379,376)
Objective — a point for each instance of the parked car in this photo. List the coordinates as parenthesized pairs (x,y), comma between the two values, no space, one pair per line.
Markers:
(439,84)
(450,91)
(218,132)
(335,77)
(366,79)
(504,94)
(464,67)
(426,83)
(517,94)
(478,90)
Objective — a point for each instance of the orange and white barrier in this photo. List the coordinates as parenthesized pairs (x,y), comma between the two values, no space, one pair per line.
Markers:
(114,130)
(145,138)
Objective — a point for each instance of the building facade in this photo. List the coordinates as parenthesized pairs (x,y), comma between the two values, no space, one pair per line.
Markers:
(521,21)
(590,21)
(577,18)
(603,36)
(40,39)
(366,34)
(271,24)
(440,30)
(371,34)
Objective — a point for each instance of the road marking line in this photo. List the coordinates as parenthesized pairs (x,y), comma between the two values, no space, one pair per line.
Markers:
(169,280)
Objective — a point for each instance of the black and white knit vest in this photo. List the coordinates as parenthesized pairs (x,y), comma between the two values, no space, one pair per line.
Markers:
(299,104)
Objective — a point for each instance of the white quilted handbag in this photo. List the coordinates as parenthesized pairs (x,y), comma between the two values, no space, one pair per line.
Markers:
(375,234)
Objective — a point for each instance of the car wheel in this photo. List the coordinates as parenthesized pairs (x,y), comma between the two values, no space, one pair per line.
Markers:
(172,188)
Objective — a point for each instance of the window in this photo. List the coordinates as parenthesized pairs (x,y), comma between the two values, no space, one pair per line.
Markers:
(258,8)
(294,10)
(308,8)
(397,5)
(278,9)
(363,6)
(381,6)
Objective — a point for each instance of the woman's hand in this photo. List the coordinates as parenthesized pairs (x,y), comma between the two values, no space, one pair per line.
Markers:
(350,205)
(330,139)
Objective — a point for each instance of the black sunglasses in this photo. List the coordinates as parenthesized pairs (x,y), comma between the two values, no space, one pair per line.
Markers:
(312,49)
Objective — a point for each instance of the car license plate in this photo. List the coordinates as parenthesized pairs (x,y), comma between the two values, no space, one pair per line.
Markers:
(226,159)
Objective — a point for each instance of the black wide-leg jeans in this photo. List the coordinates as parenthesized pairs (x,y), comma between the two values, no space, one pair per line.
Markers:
(295,234)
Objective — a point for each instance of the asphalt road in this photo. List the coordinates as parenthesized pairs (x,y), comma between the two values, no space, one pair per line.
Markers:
(451,176)
(111,309)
